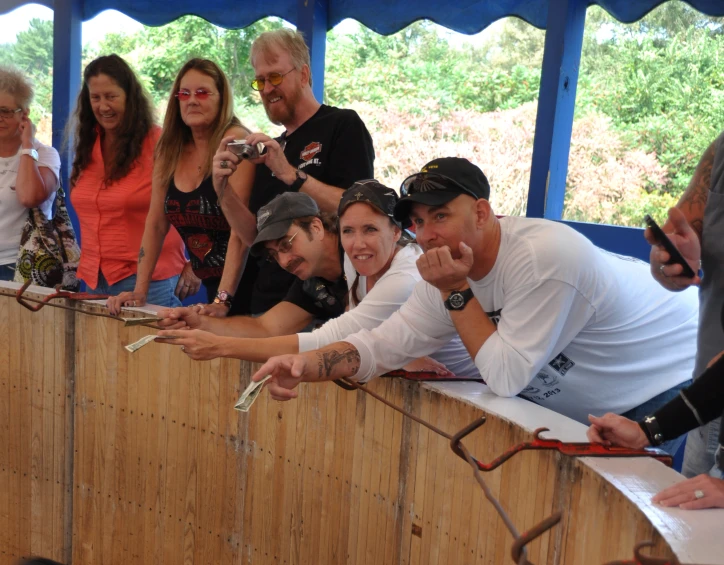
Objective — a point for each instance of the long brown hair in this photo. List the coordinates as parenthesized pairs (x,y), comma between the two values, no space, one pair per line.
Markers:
(137,119)
(176,134)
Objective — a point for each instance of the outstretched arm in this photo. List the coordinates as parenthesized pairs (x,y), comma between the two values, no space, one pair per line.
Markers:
(335,361)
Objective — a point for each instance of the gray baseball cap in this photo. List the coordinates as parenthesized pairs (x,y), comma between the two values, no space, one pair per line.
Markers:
(274,219)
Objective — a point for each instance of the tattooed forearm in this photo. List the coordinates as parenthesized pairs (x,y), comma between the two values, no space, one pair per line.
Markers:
(342,362)
(141,255)
(694,199)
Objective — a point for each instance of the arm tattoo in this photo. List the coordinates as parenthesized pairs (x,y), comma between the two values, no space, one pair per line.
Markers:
(141,255)
(328,360)
(697,193)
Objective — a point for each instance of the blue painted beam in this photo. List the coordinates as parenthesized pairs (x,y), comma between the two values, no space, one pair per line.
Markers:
(312,22)
(556,104)
(617,239)
(67,47)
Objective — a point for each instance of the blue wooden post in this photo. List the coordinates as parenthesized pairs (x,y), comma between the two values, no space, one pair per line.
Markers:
(556,103)
(312,22)
(66,83)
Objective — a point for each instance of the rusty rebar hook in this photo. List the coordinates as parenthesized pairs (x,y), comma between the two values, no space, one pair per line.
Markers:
(518,549)
(640,559)
(572,449)
(28,302)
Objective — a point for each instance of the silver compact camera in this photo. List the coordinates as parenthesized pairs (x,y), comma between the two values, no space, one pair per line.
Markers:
(244,150)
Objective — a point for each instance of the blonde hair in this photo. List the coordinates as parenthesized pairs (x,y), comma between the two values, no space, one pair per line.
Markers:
(176,134)
(287,40)
(14,83)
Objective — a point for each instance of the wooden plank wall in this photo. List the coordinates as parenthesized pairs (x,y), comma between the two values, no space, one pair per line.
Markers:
(36,427)
(165,471)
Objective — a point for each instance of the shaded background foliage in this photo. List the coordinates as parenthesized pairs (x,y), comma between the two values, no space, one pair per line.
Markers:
(650,97)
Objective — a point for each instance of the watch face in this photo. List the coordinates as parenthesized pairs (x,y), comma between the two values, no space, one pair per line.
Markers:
(223,295)
(457,300)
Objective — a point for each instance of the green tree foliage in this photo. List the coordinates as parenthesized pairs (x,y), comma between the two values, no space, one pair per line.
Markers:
(157,53)
(657,83)
(418,64)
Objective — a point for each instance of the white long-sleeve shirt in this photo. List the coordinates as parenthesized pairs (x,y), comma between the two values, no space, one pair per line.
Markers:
(383,300)
(579,330)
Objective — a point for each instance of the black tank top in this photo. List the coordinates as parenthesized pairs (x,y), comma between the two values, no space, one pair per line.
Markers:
(197,216)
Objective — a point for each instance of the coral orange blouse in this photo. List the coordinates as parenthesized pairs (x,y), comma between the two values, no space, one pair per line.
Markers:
(112,218)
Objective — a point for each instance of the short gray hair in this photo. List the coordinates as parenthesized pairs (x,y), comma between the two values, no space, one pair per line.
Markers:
(13,82)
(287,40)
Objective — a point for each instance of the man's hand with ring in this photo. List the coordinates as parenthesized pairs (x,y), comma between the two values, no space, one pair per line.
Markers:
(188,283)
(686,240)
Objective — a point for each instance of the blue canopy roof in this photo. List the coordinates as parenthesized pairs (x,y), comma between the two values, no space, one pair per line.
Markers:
(383,16)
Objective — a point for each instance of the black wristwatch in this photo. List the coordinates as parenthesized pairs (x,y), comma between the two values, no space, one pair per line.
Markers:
(299,181)
(459,299)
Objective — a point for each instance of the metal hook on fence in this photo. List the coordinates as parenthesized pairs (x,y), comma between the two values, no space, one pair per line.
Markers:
(27,302)
(640,559)
(572,449)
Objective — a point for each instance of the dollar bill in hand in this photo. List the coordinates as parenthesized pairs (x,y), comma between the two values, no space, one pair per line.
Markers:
(249,395)
(136,345)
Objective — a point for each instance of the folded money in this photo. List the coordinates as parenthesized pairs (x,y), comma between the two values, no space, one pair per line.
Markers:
(139,321)
(249,395)
(136,345)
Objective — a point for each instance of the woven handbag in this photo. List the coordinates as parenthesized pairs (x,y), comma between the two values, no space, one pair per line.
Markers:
(49,252)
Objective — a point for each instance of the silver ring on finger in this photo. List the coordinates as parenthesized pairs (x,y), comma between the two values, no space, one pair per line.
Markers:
(224,164)
(661,270)
(698,494)
(183,348)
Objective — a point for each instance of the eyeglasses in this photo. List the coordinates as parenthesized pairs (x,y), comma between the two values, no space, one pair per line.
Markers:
(275,79)
(8,113)
(200,93)
(427,182)
(284,246)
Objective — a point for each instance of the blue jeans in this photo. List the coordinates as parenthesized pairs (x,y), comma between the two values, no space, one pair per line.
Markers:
(7,272)
(652,405)
(160,293)
(717,471)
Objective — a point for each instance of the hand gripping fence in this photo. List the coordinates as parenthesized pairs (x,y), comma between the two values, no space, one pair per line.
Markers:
(35,304)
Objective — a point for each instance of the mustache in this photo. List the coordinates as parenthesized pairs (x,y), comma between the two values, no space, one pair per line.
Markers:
(293,264)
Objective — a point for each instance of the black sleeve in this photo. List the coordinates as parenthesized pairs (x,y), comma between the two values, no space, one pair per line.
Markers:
(705,396)
(352,155)
(298,297)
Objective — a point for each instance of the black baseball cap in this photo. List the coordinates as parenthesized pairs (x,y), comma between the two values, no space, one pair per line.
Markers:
(274,219)
(371,192)
(440,181)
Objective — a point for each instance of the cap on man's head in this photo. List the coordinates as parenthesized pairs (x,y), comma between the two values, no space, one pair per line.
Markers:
(372,192)
(440,181)
(274,219)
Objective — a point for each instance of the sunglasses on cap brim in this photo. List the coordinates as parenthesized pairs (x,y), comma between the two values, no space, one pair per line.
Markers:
(428,182)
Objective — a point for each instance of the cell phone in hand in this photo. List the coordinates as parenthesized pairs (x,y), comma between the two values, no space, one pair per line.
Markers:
(675,257)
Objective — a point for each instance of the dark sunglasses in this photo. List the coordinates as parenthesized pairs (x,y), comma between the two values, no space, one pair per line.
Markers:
(427,182)
(200,94)
(275,79)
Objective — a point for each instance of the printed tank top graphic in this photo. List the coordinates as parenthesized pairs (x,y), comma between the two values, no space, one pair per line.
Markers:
(197,216)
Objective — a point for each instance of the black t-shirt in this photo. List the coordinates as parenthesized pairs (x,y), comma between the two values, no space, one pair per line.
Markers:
(321,298)
(334,147)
